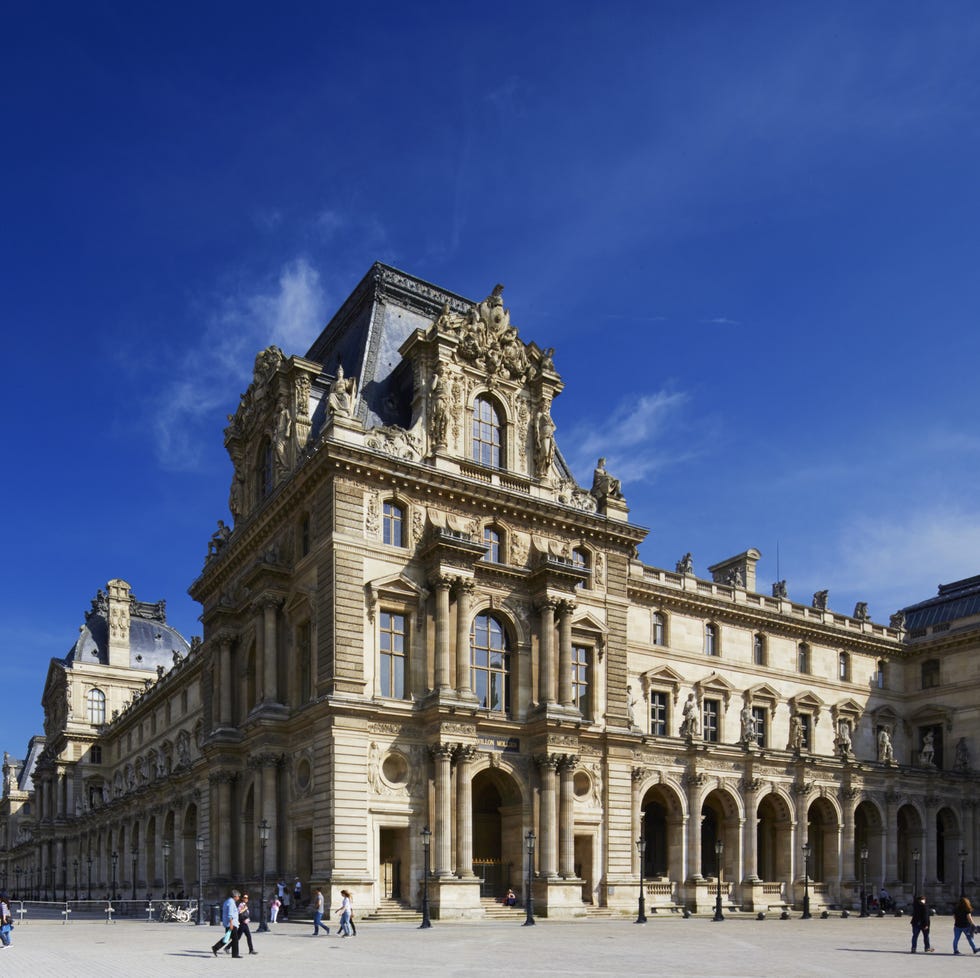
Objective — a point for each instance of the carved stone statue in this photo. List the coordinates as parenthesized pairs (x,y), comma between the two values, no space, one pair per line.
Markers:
(885,752)
(779,589)
(734,578)
(631,705)
(961,762)
(843,741)
(820,600)
(928,752)
(795,734)
(690,718)
(749,733)
(218,538)
(603,484)
(685,565)
(280,437)
(861,611)
(439,406)
(544,454)
(897,620)
(342,393)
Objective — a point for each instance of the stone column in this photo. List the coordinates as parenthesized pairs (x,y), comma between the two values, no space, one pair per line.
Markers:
(566,817)
(547,847)
(546,662)
(443,850)
(750,864)
(565,609)
(442,586)
(638,776)
(221,825)
(801,791)
(890,841)
(464,811)
(695,783)
(929,854)
(270,657)
(848,799)
(225,680)
(268,765)
(464,591)
(257,624)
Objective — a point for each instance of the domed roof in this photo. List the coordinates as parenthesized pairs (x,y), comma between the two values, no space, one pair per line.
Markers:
(152,642)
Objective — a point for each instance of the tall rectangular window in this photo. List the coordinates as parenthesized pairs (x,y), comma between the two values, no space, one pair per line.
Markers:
(710,639)
(803,657)
(580,680)
(391,665)
(304,656)
(930,673)
(759,719)
(659,628)
(806,726)
(392,520)
(658,713)
(711,718)
(759,650)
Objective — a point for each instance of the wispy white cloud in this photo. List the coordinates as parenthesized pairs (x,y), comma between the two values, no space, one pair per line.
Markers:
(630,437)
(896,558)
(721,321)
(287,312)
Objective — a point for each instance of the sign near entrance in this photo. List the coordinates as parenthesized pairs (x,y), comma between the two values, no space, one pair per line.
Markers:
(510,745)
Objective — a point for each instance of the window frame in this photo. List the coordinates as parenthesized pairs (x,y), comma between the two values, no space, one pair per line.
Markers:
(760,650)
(393,523)
(658,624)
(711,717)
(393,662)
(932,671)
(760,716)
(803,659)
(712,639)
(95,704)
(493,540)
(487,446)
(843,667)
(496,678)
(659,727)
(582,685)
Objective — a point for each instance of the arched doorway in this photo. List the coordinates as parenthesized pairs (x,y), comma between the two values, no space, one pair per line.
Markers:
(869,832)
(774,839)
(719,822)
(661,826)
(911,849)
(497,832)
(823,835)
(947,849)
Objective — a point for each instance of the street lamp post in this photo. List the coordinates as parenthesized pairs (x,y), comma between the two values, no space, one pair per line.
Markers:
(915,872)
(64,877)
(74,866)
(864,882)
(135,854)
(264,839)
(90,875)
(719,851)
(641,916)
(200,880)
(17,872)
(115,863)
(166,859)
(962,873)
(529,902)
(806,881)
(426,842)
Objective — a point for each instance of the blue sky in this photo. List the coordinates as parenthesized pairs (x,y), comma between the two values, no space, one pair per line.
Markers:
(750,230)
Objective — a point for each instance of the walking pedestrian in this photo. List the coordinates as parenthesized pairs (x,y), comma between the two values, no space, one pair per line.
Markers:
(243,918)
(297,893)
(345,908)
(6,922)
(229,920)
(318,905)
(274,905)
(920,923)
(963,924)
(353,927)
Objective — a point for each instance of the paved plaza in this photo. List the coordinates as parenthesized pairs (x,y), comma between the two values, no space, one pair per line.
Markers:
(493,949)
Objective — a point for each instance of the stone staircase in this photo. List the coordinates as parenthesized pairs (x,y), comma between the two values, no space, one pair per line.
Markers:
(394,911)
(495,910)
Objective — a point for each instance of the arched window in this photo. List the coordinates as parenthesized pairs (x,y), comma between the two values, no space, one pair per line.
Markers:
(490,663)
(491,540)
(759,650)
(392,524)
(880,674)
(710,639)
(803,657)
(487,435)
(96,706)
(659,628)
(581,559)
(844,667)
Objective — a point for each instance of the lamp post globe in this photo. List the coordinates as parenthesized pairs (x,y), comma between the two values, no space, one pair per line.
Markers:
(719,852)
(529,841)
(264,840)
(806,881)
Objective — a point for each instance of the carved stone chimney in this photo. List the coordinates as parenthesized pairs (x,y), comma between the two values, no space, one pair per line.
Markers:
(119,604)
(738,570)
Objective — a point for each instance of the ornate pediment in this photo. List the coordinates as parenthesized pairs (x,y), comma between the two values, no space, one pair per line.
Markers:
(716,685)
(487,340)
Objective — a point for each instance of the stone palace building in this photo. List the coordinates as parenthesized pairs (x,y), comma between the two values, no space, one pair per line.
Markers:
(419,620)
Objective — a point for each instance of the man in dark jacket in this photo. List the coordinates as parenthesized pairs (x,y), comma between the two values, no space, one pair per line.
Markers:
(920,923)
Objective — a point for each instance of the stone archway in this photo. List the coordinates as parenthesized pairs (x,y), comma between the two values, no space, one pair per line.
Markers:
(911,849)
(823,835)
(720,822)
(774,840)
(498,846)
(662,826)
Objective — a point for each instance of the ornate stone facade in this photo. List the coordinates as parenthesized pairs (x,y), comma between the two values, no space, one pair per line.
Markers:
(421,619)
